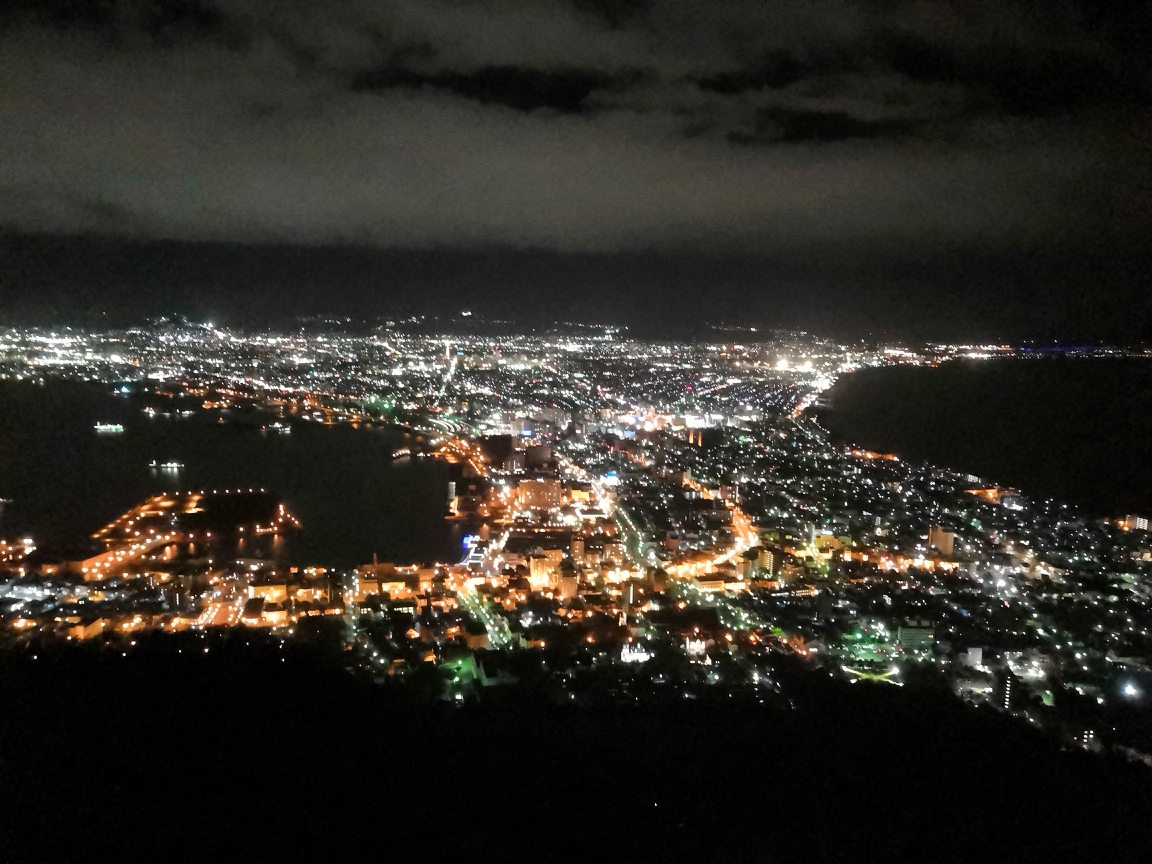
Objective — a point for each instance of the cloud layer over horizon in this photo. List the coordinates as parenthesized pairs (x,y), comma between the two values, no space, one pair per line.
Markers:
(579,125)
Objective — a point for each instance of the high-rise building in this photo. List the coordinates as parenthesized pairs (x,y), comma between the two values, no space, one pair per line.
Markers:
(1134,523)
(973,657)
(943,540)
(1009,692)
(769,559)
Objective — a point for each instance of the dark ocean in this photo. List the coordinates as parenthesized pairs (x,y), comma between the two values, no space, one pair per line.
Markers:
(1078,430)
(64,480)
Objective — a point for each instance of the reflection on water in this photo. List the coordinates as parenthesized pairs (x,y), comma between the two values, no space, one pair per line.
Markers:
(65,480)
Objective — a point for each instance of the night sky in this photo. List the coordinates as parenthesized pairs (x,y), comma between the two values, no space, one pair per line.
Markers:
(933,169)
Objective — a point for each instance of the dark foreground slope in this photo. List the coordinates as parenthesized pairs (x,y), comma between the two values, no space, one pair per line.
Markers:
(262,752)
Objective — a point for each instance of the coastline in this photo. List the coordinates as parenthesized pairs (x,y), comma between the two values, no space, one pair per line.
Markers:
(1059,427)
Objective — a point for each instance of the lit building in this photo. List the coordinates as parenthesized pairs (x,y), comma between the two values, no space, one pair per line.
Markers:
(1008,691)
(540,493)
(942,540)
(915,639)
(1134,523)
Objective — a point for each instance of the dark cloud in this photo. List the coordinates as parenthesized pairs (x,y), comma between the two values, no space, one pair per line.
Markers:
(784,125)
(165,21)
(564,90)
(617,13)
(779,69)
(581,125)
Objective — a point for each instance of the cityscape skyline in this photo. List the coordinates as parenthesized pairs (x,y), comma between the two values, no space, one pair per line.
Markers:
(545,430)
(605,484)
(1068,297)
